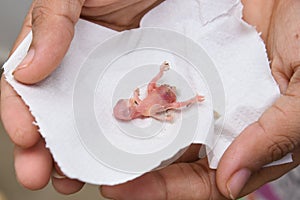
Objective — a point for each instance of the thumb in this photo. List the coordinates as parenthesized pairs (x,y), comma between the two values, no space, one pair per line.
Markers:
(274,135)
(53,29)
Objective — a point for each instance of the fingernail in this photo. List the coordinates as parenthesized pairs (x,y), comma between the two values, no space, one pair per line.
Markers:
(237,182)
(56,175)
(26,61)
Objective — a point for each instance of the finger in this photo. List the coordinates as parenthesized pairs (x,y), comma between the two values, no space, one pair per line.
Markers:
(33,166)
(178,181)
(268,174)
(53,29)
(186,181)
(64,185)
(274,135)
(16,118)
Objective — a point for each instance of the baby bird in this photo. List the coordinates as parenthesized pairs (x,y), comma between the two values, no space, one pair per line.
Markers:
(159,100)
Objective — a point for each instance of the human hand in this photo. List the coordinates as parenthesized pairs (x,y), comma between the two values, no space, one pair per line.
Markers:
(275,134)
(52,23)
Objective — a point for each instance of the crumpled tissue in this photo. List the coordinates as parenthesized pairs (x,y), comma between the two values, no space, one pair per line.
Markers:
(73,106)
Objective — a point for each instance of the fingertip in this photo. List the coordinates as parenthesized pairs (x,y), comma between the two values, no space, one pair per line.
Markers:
(255,147)
(20,72)
(66,186)
(38,63)
(63,184)
(16,118)
(238,161)
(107,191)
(33,166)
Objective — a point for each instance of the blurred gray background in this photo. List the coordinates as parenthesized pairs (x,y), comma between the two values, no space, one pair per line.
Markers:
(12,13)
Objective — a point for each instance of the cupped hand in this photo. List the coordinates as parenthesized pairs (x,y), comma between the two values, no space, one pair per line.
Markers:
(275,134)
(52,23)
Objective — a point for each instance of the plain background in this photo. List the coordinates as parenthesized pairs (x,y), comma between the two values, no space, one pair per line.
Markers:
(12,13)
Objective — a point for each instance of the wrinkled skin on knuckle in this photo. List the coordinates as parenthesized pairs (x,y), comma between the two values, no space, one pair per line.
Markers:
(52,15)
(197,180)
(284,137)
(193,181)
(291,123)
(284,44)
(202,181)
(214,193)
(281,146)
(40,13)
(69,9)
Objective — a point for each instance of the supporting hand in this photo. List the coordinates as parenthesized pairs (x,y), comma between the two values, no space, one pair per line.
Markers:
(52,23)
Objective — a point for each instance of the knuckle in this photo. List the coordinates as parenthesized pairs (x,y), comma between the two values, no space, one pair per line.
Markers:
(202,181)
(280,146)
(68,9)
(193,178)
(280,111)
(282,136)
(206,180)
(40,12)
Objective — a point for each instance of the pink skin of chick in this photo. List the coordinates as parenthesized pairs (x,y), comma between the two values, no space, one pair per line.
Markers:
(159,100)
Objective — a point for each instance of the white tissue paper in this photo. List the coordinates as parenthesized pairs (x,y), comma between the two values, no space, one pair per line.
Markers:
(73,106)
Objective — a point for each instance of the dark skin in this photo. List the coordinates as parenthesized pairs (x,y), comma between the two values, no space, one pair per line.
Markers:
(275,134)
